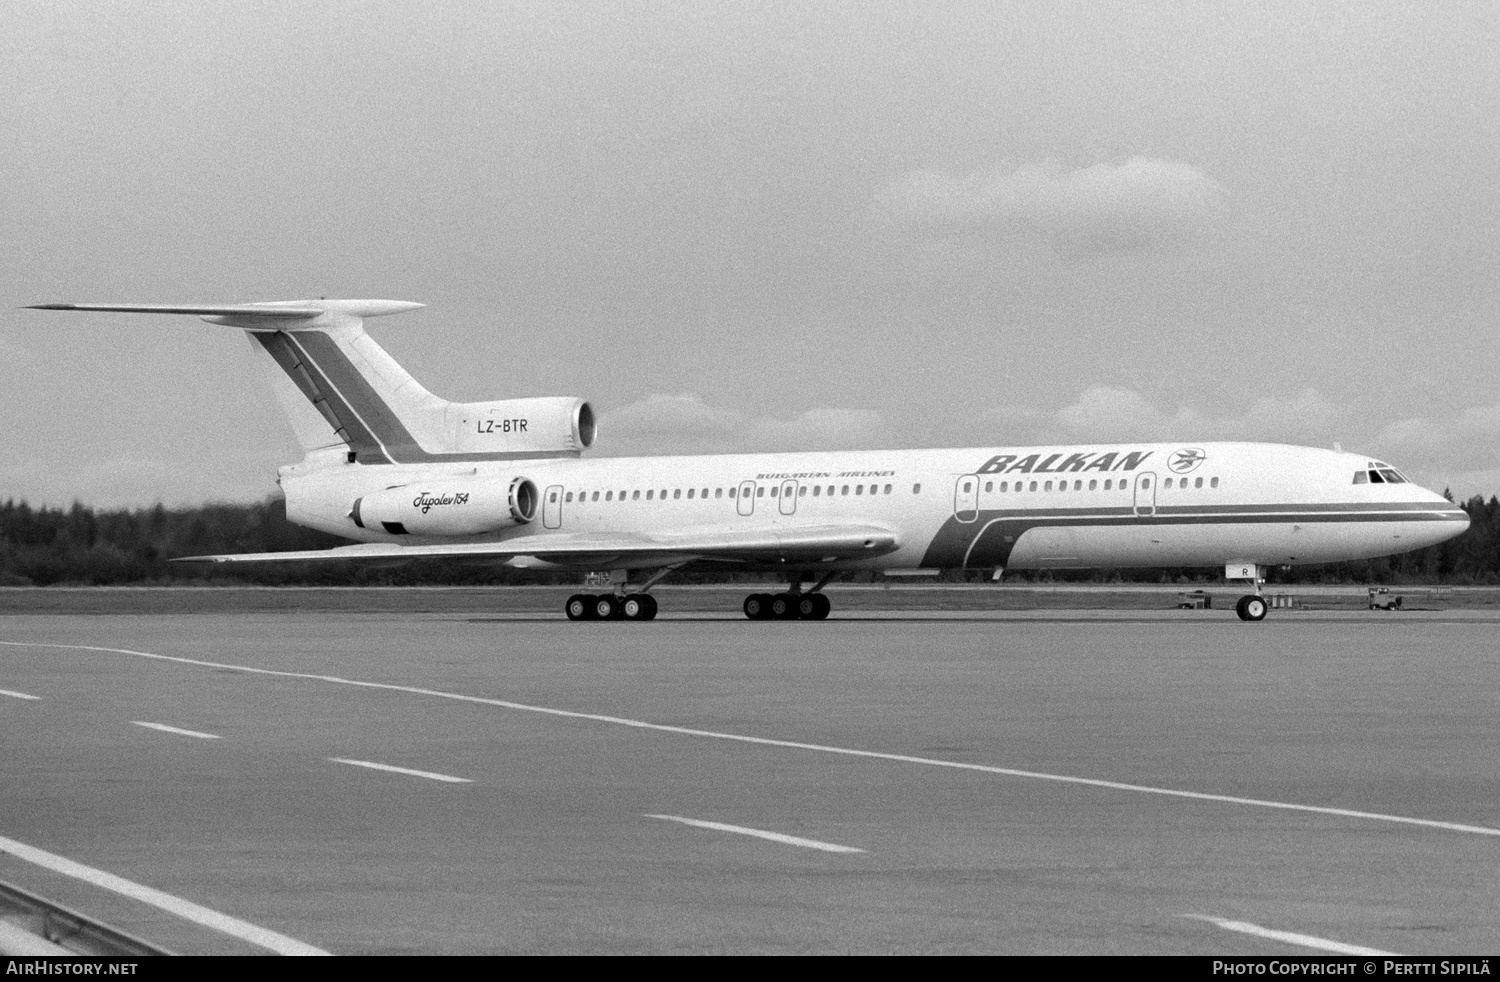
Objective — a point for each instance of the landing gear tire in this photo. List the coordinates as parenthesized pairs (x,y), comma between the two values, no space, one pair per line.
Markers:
(783,607)
(821,606)
(807,606)
(1251,608)
(758,606)
(578,607)
(607,608)
(638,607)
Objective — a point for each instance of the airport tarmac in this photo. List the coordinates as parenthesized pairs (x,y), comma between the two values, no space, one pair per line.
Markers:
(486,777)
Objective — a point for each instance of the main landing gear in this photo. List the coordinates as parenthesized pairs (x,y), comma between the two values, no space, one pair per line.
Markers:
(607,607)
(787,606)
(793,605)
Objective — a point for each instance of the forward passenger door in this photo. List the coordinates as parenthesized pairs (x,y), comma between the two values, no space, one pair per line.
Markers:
(966,498)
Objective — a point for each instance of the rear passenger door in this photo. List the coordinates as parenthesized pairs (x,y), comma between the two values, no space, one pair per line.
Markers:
(788,497)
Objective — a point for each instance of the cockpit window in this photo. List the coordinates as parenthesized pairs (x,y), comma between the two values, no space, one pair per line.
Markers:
(1375,478)
(1391,476)
(1361,477)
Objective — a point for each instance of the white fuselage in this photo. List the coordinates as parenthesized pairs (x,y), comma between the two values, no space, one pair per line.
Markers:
(1014,507)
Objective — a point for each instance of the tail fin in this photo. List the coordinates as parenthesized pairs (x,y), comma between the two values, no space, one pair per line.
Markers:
(371,403)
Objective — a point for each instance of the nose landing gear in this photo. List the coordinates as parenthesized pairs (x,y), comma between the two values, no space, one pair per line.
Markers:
(1252,607)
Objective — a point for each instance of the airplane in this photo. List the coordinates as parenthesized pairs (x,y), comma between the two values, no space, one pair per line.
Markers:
(409,475)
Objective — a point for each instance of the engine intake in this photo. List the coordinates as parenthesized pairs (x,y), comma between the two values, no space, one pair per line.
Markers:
(448,507)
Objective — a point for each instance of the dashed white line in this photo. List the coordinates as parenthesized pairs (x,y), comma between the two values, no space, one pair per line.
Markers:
(18,695)
(1091,782)
(186,909)
(173,729)
(781,837)
(402,770)
(1291,937)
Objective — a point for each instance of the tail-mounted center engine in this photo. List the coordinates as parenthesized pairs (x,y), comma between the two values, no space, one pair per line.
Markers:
(560,424)
(448,507)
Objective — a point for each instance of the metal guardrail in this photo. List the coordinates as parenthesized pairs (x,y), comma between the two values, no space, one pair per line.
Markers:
(57,925)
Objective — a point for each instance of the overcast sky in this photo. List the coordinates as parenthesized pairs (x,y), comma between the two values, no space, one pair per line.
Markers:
(759,225)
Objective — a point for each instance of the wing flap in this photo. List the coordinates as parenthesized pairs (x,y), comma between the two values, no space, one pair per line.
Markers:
(825,543)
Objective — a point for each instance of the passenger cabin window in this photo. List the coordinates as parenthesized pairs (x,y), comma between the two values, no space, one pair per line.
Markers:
(760,492)
(1197,482)
(916,489)
(635,496)
(1213,483)
(569,497)
(887,489)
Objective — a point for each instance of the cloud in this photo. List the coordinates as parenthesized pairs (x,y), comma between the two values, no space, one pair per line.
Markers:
(1460,450)
(1140,204)
(129,482)
(688,424)
(1103,413)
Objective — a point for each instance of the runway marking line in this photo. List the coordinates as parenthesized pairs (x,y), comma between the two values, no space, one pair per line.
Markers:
(1292,937)
(186,909)
(173,729)
(1091,782)
(18,695)
(432,775)
(781,837)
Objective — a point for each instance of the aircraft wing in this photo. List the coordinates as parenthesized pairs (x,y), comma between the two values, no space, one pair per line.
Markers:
(821,543)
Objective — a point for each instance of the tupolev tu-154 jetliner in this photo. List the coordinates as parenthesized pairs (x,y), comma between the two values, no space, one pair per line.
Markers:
(410,476)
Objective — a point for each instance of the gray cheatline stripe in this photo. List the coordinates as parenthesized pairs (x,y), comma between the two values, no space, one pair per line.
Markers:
(1091,782)
(1292,937)
(186,909)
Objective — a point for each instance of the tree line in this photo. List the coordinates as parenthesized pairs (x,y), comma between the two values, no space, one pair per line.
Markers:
(84,546)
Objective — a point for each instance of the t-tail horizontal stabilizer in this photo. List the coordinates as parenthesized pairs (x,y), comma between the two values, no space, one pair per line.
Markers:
(372,410)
